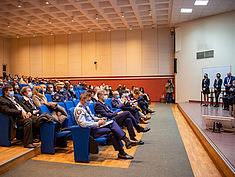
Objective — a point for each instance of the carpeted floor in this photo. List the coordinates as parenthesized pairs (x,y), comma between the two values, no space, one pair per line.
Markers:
(162,155)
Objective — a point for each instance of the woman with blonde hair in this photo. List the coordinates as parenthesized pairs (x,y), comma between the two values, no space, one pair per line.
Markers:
(38,96)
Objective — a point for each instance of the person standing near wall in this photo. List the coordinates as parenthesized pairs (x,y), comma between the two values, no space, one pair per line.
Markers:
(217,88)
(169,91)
(206,89)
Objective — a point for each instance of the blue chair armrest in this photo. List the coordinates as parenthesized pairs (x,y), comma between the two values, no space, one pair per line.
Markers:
(81,143)
(47,134)
(4,130)
(117,110)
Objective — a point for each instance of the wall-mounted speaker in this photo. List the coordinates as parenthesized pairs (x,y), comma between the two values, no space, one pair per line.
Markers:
(175,65)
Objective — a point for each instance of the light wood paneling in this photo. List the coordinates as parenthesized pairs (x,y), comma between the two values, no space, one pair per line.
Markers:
(118,52)
(48,56)
(14,56)
(88,55)
(134,64)
(149,52)
(35,55)
(74,55)
(103,53)
(23,60)
(200,161)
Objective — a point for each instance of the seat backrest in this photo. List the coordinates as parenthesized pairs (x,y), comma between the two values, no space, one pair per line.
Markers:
(108,101)
(71,113)
(62,105)
(19,96)
(23,85)
(80,88)
(0,91)
(77,94)
(68,105)
(76,102)
(91,106)
(43,109)
(81,91)
(49,98)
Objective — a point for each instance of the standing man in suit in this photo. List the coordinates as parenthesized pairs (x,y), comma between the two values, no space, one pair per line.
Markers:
(228,82)
(206,89)
(10,106)
(85,118)
(122,117)
(217,88)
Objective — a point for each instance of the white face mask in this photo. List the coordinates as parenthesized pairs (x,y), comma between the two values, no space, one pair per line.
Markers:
(30,94)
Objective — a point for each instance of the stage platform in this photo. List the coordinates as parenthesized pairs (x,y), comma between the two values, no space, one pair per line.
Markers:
(223,143)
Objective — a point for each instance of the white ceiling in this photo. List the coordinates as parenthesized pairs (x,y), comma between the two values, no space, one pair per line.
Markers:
(138,14)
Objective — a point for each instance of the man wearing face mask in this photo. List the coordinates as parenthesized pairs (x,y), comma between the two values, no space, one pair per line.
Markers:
(44,88)
(217,88)
(10,106)
(100,127)
(122,117)
(59,95)
(117,103)
(70,94)
(50,90)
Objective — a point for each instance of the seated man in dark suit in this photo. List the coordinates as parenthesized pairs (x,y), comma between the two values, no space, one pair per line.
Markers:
(122,118)
(50,90)
(85,118)
(10,106)
(59,95)
(117,103)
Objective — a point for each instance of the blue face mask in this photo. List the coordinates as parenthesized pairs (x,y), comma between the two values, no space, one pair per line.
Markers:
(30,94)
(118,96)
(105,97)
(62,90)
(11,94)
(51,89)
(71,90)
(44,90)
(87,103)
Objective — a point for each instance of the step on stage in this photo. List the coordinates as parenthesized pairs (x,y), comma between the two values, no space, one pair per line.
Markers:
(220,146)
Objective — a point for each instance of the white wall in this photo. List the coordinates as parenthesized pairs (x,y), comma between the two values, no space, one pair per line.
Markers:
(216,32)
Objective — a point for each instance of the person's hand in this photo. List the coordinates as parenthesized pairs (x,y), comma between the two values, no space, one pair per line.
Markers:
(203,89)
(101,122)
(120,112)
(231,89)
(105,119)
(24,115)
(215,89)
(29,114)
(229,85)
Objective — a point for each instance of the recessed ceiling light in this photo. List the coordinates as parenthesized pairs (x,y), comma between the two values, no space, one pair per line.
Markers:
(50,21)
(47,2)
(51,33)
(186,10)
(8,25)
(28,23)
(19,4)
(150,13)
(72,19)
(122,14)
(201,2)
(96,17)
(130,28)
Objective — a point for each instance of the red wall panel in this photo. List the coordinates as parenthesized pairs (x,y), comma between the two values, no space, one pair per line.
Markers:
(153,85)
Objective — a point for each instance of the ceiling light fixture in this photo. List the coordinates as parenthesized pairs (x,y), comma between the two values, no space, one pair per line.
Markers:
(201,2)
(19,4)
(150,13)
(130,27)
(109,29)
(28,23)
(122,14)
(186,10)
(96,17)
(69,32)
(51,33)
(72,19)
(17,36)
(152,26)
(8,25)
(89,30)
(47,2)
(34,34)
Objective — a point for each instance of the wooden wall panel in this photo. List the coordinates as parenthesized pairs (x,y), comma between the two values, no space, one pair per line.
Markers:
(88,55)
(103,54)
(74,55)
(48,56)
(134,64)
(14,56)
(118,52)
(149,52)
(35,55)
(1,54)
(23,60)
(61,55)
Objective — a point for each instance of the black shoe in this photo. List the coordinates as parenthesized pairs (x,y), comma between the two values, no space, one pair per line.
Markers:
(136,142)
(29,146)
(141,129)
(150,111)
(128,144)
(124,156)
(36,141)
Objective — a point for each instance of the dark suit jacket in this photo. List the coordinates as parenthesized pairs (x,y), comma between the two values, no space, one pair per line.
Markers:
(230,80)
(116,104)
(205,84)
(27,106)
(219,84)
(104,110)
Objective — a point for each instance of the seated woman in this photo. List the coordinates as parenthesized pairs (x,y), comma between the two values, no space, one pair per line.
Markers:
(145,95)
(16,87)
(38,96)
(69,92)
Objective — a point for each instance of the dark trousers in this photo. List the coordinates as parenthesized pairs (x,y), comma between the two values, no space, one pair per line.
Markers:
(134,111)
(116,136)
(169,97)
(28,130)
(127,119)
(227,100)
(217,93)
(143,106)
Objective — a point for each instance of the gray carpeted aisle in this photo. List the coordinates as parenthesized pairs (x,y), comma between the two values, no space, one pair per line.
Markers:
(162,155)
